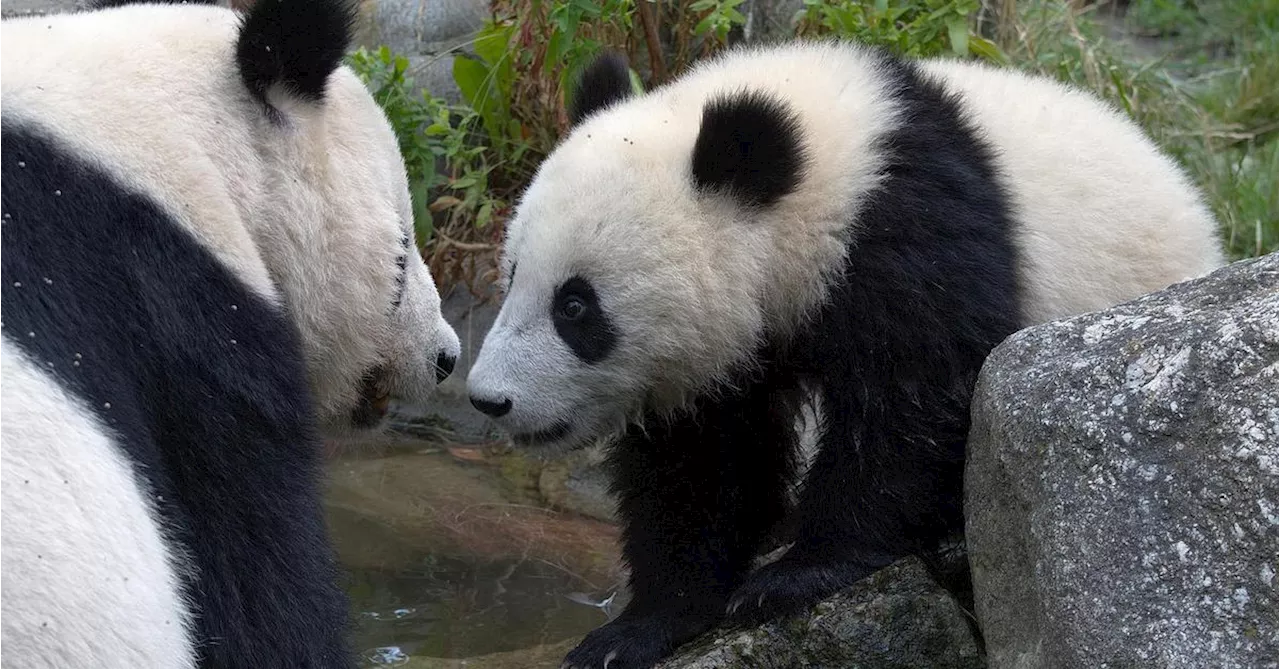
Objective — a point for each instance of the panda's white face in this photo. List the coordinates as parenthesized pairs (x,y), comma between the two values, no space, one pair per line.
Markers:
(670,235)
(369,310)
(587,336)
(626,292)
(304,197)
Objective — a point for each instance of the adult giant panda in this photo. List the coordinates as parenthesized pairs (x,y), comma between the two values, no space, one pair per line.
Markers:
(805,219)
(208,260)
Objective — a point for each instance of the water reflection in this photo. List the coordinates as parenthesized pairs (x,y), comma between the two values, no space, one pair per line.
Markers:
(444,570)
(455,608)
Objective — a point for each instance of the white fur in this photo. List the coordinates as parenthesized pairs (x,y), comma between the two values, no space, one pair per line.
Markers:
(1105,216)
(694,282)
(88,580)
(308,212)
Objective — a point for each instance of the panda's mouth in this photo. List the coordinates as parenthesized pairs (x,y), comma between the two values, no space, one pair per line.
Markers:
(375,398)
(555,433)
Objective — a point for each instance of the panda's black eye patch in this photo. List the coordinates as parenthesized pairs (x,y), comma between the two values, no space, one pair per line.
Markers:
(581,322)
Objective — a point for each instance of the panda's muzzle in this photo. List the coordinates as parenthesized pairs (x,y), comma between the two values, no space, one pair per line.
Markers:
(375,398)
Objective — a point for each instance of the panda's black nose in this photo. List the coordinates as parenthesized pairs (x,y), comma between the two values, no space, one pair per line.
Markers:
(444,366)
(491,408)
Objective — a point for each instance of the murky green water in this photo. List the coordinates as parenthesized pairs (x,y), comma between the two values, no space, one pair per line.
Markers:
(443,570)
(457,608)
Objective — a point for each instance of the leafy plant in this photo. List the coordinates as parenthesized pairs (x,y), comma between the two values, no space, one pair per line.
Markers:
(447,160)
(720,17)
(913,28)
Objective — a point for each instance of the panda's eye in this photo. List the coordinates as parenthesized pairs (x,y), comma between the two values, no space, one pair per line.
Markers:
(582,321)
(571,308)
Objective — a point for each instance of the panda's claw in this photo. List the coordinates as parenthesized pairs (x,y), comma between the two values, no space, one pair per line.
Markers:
(638,642)
(635,644)
(786,588)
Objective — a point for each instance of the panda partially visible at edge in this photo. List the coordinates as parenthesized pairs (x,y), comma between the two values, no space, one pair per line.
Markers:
(208,261)
(807,222)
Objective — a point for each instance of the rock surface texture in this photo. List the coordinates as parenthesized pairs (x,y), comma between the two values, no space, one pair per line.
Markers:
(38,7)
(427,32)
(897,618)
(1122,483)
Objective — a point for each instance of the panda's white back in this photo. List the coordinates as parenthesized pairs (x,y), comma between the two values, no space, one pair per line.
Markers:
(1103,215)
(62,471)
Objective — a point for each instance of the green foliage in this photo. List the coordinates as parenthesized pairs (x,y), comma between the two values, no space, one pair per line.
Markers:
(447,163)
(914,28)
(568,47)
(721,17)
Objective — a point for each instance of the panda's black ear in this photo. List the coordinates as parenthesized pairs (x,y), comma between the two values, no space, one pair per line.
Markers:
(605,81)
(293,45)
(751,146)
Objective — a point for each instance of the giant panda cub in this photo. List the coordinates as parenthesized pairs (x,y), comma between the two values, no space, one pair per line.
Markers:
(208,262)
(810,220)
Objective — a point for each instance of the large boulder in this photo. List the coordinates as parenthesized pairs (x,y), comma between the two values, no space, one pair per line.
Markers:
(15,8)
(427,32)
(1121,485)
(898,618)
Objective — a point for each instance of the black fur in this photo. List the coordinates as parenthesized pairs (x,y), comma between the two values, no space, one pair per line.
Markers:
(929,289)
(606,81)
(294,44)
(591,336)
(750,146)
(201,381)
(698,494)
(103,4)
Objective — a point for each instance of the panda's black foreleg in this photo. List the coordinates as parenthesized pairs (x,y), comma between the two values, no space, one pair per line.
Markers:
(886,483)
(697,496)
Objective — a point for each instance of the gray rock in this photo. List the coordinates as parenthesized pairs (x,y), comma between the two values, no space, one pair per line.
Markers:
(433,73)
(897,618)
(769,20)
(412,26)
(1122,482)
(16,8)
(427,32)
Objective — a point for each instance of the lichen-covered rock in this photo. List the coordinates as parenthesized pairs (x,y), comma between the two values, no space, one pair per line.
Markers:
(1122,482)
(14,8)
(896,618)
(427,32)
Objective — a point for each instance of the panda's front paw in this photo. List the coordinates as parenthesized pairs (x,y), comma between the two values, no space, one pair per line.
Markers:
(636,643)
(786,588)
